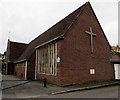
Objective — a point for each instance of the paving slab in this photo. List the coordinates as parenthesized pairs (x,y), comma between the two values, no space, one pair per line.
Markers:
(11,81)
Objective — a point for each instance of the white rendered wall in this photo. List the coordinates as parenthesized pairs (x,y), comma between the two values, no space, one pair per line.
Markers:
(117,71)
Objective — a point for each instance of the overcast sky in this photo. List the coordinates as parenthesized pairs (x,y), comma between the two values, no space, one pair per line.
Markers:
(27,19)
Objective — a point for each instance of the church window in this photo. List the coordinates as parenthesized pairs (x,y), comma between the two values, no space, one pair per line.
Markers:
(47,59)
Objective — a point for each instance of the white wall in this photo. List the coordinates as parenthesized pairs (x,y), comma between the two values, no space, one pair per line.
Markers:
(117,71)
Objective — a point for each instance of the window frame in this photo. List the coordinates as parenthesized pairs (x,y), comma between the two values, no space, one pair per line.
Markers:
(47,51)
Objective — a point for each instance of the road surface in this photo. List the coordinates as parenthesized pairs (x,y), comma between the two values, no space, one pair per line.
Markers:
(108,92)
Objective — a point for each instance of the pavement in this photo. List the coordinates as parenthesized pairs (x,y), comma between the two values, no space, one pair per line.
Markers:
(10,81)
(13,87)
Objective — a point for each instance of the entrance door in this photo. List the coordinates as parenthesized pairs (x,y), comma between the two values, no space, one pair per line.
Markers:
(117,71)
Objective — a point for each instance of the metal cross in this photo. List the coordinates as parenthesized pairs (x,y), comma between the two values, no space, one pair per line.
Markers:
(91,37)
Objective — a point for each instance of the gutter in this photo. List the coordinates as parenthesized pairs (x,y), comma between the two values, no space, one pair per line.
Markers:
(20,61)
(59,37)
(115,61)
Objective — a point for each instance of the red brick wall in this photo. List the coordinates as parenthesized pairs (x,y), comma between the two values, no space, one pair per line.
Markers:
(76,59)
(20,70)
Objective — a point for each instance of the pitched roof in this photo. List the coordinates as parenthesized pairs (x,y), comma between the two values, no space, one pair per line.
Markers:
(54,32)
(15,49)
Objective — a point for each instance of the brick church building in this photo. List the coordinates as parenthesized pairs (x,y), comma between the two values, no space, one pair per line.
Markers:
(74,50)
(14,50)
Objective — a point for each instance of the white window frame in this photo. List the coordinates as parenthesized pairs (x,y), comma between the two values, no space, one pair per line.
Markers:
(44,65)
(92,71)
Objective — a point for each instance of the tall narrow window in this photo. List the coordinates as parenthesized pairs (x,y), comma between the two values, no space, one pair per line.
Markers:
(47,59)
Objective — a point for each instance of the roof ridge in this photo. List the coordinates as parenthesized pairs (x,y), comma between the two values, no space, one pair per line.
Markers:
(17,42)
(61,20)
(83,6)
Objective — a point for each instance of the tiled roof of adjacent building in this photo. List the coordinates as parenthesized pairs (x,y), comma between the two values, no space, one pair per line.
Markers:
(15,50)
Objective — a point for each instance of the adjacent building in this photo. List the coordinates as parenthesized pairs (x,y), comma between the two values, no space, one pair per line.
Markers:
(13,52)
(116,61)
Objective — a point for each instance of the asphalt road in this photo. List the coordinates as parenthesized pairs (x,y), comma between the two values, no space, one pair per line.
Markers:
(108,92)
